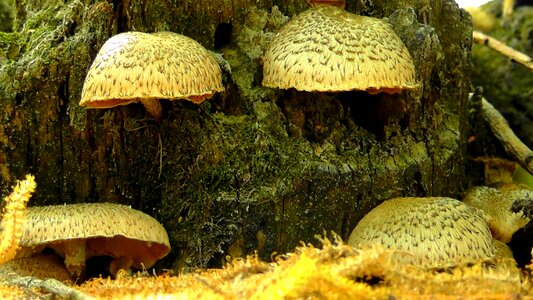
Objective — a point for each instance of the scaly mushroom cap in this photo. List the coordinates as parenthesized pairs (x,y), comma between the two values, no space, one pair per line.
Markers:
(132,66)
(38,266)
(435,232)
(498,206)
(108,229)
(328,49)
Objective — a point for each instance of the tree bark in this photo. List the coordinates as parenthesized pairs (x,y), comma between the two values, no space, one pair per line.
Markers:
(253,168)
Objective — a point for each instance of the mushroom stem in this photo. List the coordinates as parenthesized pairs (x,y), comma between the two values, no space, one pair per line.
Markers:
(121,263)
(153,107)
(75,256)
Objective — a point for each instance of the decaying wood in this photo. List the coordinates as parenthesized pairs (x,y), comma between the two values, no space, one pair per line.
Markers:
(512,144)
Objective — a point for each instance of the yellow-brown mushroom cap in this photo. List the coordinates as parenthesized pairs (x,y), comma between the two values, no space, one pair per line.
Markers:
(132,66)
(434,232)
(109,229)
(498,206)
(328,49)
(38,266)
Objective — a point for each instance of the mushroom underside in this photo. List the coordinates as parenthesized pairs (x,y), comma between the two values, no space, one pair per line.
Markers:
(127,252)
(152,105)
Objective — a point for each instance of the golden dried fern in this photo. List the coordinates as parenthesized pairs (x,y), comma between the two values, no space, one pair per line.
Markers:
(14,215)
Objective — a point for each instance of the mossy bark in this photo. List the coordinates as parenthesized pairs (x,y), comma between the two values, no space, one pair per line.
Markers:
(254,168)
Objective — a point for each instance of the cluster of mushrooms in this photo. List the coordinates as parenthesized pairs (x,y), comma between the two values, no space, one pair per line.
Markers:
(142,67)
(323,49)
(441,232)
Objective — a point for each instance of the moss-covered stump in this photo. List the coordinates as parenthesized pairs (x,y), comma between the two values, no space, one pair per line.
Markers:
(252,169)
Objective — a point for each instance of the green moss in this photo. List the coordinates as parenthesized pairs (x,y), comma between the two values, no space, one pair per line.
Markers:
(6,15)
(10,46)
(232,161)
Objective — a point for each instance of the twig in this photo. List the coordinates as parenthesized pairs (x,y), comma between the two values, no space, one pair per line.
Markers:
(212,287)
(512,144)
(50,285)
(498,46)
(508,8)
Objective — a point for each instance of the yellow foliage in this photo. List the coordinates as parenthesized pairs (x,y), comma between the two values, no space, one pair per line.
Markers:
(14,215)
(334,271)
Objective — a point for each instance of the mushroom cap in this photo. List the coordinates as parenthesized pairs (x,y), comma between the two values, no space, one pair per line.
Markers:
(38,266)
(498,205)
(109,229)
(163,65)
(328,49)
(433,232)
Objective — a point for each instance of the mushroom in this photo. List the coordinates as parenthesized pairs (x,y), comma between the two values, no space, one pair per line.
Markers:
(141,67)
(432,232)
(78,232)
(328,49)
(38,266)
(499,205)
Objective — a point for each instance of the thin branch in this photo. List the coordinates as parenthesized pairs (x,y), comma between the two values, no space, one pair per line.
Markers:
(512,144)
(50,285)
(501,47)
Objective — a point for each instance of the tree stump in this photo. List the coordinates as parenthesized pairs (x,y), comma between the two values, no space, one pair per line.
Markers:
(253,168)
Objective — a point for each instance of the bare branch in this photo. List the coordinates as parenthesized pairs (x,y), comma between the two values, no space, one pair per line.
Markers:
(512,144)
(501,47)
(49,285)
